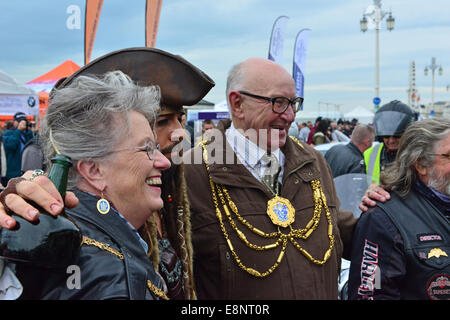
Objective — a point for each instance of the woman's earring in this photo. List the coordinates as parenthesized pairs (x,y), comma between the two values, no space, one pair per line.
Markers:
(103,205)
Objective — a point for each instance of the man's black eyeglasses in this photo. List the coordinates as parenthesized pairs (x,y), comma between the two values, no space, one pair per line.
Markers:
(279,104)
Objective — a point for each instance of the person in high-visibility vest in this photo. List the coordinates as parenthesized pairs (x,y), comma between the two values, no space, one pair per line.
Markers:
(391,120)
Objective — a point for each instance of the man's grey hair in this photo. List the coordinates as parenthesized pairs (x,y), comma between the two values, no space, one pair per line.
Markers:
(88,118)
(418,143)
(235,81)
(361,133)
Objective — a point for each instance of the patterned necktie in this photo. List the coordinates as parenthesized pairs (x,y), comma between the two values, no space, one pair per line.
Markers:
(271,168)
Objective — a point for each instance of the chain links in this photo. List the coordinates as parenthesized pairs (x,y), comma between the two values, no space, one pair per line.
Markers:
(104,246)
(219,191)
(157,291)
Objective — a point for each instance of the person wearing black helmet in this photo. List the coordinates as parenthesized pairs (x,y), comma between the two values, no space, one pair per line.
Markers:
(391,120)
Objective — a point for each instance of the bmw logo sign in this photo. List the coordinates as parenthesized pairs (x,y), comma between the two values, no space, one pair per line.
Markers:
(31,101)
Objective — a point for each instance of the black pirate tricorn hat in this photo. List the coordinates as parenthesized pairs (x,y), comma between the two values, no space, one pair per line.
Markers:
(181,83)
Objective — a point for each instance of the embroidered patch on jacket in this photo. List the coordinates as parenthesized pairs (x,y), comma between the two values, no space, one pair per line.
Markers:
(438,288)
(437,252)
(370,271)
(427,237)
(423,255)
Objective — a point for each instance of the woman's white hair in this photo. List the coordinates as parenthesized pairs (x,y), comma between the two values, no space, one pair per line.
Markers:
(89,117)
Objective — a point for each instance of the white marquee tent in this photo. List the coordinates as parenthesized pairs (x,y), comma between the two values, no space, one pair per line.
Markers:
(363,115)
(303,115)
(15,97)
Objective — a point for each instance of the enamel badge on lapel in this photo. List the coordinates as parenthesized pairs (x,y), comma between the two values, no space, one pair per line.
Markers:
(437,252)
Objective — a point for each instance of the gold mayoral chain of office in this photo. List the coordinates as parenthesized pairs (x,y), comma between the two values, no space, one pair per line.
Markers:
(220,193)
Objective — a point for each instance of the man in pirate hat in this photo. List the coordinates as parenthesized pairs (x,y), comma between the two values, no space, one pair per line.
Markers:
(168,231)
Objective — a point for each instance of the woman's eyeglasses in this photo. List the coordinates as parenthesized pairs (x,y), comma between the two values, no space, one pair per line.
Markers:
(150,148)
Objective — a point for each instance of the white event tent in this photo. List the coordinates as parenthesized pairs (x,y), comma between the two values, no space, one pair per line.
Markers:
(15,97)
(363,115)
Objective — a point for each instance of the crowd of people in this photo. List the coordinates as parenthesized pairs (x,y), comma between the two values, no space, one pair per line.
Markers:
(251,212)
(20,148)
(324,131)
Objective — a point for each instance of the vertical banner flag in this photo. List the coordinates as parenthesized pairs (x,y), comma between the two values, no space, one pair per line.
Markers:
(92,16)
(301,43)
(277,39)
(152,12)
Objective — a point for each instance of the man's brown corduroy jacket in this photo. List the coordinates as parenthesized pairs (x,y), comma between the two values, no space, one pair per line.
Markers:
(217,275)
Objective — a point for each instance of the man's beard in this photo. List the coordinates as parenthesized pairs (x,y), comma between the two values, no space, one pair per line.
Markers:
(169,149)
(168,175)
(438,182)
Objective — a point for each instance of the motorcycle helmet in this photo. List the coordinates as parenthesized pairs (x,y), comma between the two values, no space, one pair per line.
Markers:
(392,119)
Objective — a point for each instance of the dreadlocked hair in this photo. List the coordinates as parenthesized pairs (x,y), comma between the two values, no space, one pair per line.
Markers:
(184,234)
(148,232)
(176,226)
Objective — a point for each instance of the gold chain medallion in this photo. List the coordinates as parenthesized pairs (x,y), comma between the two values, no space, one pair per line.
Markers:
(280,211)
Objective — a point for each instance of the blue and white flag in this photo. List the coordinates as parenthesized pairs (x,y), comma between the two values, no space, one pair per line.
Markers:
(301,43)
(277,39)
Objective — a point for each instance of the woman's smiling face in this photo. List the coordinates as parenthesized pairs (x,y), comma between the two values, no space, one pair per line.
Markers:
(133,179)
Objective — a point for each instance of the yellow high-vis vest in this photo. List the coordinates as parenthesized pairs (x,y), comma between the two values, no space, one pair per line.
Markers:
(372,159)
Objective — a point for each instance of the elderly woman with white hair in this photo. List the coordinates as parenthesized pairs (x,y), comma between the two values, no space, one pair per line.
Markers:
(105,126)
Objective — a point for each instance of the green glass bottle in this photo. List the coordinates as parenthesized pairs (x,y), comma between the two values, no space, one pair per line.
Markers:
(49,242)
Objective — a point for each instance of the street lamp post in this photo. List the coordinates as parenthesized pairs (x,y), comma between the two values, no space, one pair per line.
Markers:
(433,66)
(377,15)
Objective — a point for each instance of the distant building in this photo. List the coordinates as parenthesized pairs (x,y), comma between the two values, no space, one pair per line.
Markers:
(446,113)
(440,109)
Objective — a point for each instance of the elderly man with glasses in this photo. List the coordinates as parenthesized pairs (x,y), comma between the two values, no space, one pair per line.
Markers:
(263,204)
(401,247)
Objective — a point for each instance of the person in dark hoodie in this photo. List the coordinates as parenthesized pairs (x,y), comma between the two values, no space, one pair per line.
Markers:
(348,158)
(32,155)
(14,140)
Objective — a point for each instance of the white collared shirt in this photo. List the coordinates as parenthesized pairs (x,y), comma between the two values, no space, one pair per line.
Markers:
(250,154)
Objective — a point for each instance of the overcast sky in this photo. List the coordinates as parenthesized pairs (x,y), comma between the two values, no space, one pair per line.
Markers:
(216,34)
